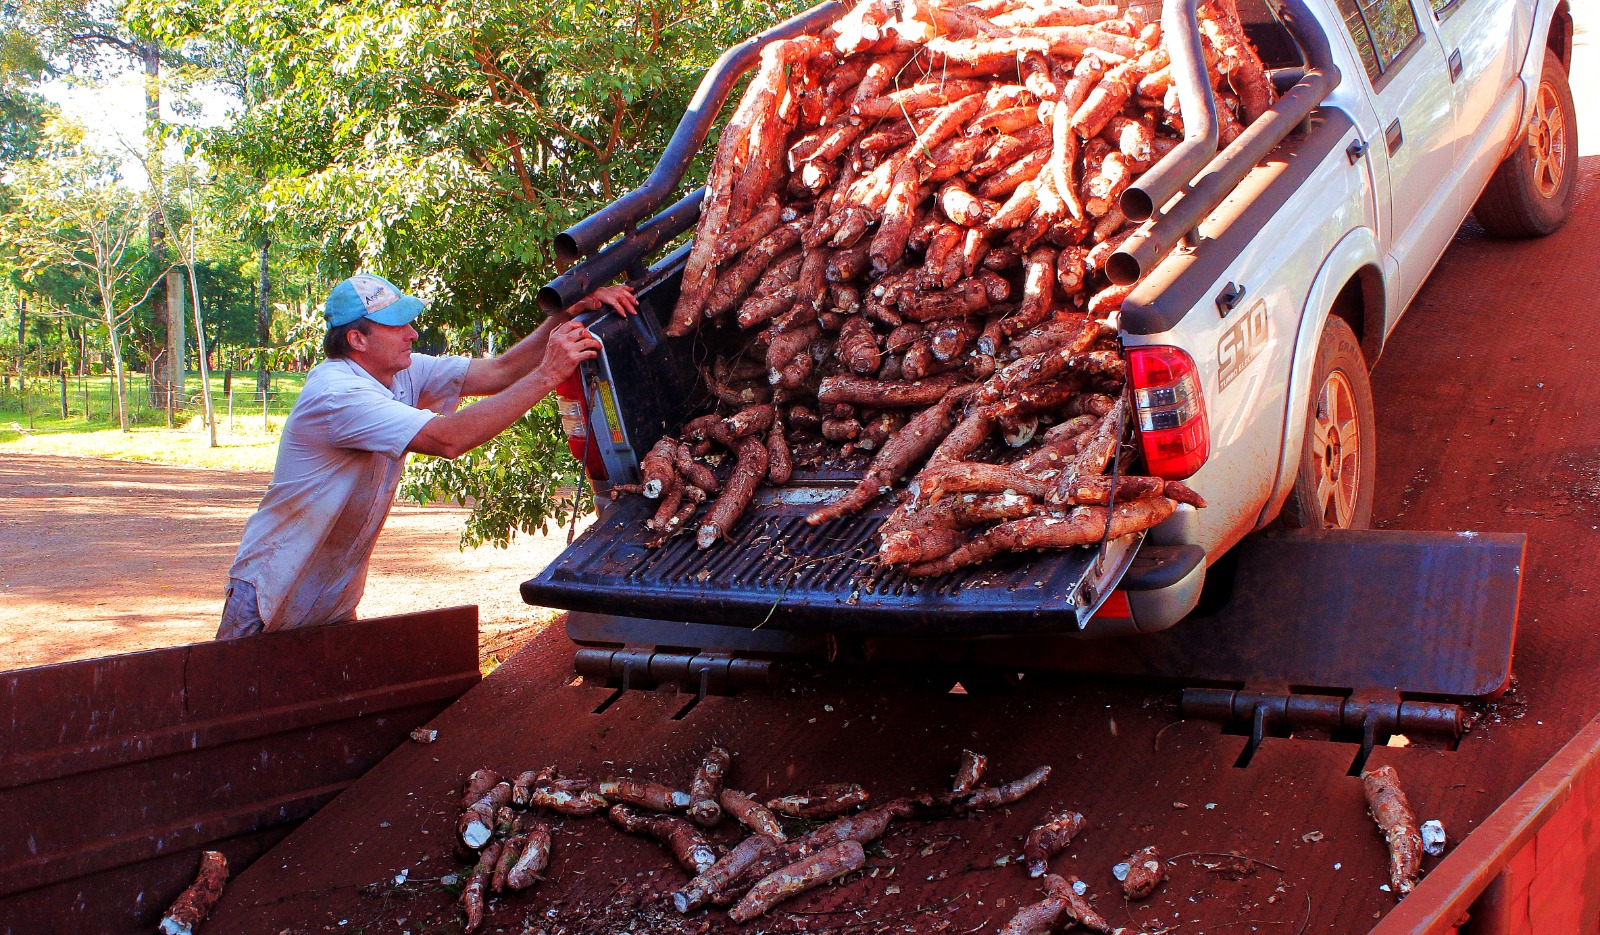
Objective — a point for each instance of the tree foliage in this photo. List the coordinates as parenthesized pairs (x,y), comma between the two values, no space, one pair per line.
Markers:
(22,112)
(445,144)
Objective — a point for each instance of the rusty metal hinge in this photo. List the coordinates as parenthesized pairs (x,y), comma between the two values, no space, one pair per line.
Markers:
(702,674)
(1282,713)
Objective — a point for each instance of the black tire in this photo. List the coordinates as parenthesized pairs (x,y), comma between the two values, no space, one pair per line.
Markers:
(1532,191)
(1334,486)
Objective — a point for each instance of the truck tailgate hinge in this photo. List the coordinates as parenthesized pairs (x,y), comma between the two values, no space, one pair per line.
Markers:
(699,673)
(1371,716)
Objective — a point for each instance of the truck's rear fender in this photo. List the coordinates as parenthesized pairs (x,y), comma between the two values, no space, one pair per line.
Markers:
(1270,237)
(1552,34)
(1350,272)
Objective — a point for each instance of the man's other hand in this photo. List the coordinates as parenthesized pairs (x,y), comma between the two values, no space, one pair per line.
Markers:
(570,344)
(619,298)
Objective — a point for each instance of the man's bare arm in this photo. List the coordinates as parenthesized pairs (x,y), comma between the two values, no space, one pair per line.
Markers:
(454,435)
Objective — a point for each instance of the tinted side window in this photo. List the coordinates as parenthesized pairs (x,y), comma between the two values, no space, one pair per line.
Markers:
(1382,30)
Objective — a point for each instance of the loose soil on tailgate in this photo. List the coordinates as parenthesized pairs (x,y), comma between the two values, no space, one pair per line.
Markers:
(103,557)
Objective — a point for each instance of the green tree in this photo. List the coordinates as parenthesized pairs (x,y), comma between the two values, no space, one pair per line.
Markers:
(22,113)
(75,215)
(94,38)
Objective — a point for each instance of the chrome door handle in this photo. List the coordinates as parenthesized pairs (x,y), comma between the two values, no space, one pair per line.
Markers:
(1393,137)
(1455,66)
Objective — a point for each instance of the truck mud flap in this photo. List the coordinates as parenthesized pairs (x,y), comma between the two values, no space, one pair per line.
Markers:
(778,572)
(116,773)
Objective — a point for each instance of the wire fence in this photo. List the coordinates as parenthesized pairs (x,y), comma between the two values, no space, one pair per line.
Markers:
(46,401)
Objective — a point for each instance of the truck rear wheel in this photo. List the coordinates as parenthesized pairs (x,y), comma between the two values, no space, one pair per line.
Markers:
(1532,191)
(1338,467)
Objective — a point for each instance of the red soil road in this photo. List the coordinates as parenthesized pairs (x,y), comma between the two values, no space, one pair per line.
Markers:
(106,557)
(1485,414)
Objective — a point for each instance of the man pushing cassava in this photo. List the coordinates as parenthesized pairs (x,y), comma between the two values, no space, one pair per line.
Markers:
(303,559)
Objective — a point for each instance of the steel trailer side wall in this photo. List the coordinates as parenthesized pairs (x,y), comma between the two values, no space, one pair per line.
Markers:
(115,773)
(1532,868)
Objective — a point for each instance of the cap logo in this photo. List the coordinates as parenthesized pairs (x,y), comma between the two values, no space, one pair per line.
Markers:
(375,293)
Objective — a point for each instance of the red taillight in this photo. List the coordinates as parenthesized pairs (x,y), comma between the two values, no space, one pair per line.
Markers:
(1116,606)
(1171,411)
(575,422)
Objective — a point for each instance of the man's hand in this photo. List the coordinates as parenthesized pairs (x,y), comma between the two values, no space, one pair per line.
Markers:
(485,377)
(570,344)
(620,298)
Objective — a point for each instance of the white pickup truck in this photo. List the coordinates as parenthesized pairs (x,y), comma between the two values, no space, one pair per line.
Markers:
(1269,279)
(1442,107)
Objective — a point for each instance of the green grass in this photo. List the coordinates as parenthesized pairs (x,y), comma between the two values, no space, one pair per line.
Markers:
(33,425)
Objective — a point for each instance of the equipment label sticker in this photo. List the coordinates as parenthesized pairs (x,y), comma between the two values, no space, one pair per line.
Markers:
(608,403)
(1241,344)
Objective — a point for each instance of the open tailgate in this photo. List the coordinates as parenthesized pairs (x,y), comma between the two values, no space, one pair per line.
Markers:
(779,572)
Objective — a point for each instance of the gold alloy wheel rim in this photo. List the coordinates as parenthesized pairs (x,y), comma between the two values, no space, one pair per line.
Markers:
(1547,140)
(1336,448)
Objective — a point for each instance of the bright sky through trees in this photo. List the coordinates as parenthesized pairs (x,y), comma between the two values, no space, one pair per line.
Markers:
(111,113)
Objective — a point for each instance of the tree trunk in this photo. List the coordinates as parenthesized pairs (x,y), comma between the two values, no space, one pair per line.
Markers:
(116,358)
(200,345)
(263,318)
(175,373)
(167,297)
(62,333)
(22,347)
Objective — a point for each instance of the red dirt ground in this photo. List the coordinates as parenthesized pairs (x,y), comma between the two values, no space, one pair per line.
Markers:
(106,557)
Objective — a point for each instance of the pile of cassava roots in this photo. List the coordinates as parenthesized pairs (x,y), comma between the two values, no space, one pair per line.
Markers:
(505,829)
(900,256)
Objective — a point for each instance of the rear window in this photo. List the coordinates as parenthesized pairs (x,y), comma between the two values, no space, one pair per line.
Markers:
(1382,30)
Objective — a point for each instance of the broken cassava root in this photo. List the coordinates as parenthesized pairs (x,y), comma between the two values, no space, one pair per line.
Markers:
(755,859)
(804,874)
(532,861)
(651,795)
(721,876)
(748,471)
(750,813)
(1390,809)
(704,808)
(944,804)
(192,906)
(829,801)
(472,895)
(478,821)
(1061,901)
(1140,873)
(691,850)
(1050,839)
(969,772)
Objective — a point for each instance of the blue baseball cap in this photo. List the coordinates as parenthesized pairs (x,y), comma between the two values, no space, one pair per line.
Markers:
(367,296)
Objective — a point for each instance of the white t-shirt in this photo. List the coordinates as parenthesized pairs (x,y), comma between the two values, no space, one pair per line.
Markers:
(343,450)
